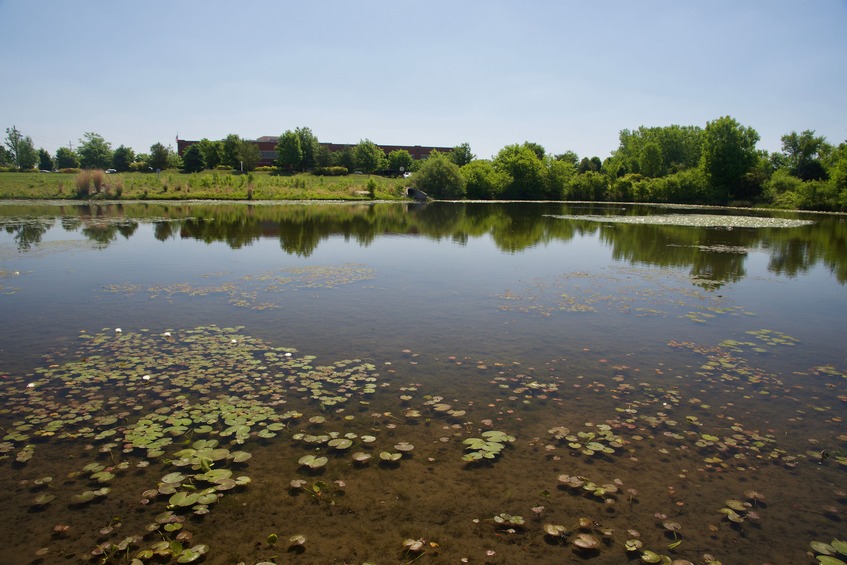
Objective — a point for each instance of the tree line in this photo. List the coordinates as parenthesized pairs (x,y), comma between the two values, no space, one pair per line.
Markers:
(716,164)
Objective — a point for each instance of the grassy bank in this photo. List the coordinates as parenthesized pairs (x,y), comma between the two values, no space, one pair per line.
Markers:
(217,185)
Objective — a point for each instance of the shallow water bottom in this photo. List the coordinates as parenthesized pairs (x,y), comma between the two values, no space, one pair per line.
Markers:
(685,442)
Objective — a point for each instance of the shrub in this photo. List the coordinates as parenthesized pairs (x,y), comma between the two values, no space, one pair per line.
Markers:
(265,168)
(223,168)
(330,171)
(4,169)
(70,170)
(83,184)
(97,177)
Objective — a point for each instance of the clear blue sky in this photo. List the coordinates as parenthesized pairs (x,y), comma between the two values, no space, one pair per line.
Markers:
(567,75)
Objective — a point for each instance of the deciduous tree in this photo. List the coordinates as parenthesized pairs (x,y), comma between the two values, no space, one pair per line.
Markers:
(439,177)
(369,157)
(122,158)
(158,160)
(66,158)
(94,151)
(249,155)
(289,152)
(462,154)
(231,145)
(483,181)
(803,154)
(192,159)
(400,159)
(729,152)
(309,146)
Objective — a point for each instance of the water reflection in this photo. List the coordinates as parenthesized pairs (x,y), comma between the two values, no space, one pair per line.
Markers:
(714,256)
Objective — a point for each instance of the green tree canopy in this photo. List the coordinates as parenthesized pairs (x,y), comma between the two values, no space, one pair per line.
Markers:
(122,158)
(231,145)
(522,164)
(803,154)
(158,160)
(21,150)
(45,160)
(94,151)
(462,154)
(439,177)
(400,159)
(249,155)
(66,158)
(368,157)
(310,146)
(212,152)
(289,152)
(729,152)
(192,159)
(484,181)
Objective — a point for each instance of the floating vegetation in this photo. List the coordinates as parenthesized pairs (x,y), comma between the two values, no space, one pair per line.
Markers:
(488,447)
(258,291)
(693,220)
(826,553)
(195,416)
(597,440)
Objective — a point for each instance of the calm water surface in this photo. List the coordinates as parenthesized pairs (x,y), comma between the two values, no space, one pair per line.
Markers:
(692,371)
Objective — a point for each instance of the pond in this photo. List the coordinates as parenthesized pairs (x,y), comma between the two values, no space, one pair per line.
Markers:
(439,383)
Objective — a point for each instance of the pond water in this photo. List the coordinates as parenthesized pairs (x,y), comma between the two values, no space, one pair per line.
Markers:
(440,383)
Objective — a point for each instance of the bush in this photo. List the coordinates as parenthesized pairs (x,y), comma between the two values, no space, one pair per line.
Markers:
(223,168)
(70,170)
(4,169)
(330,171)
(265,168)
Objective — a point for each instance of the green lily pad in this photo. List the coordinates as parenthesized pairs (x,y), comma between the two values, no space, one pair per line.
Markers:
(313,462)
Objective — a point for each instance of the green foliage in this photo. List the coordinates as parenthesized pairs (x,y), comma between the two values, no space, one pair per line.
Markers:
(158,157)
(527,171)
(249,155)
(483,181)
(729,152)
(66,158)
(368,157)
(588,186)
(679,148)
(21,151)
(400,159)
(684,187)
(45,161)
(289,153)
(174,160)
(439,177)
(231,145)
(212,152)
(802,154)
(122,158)
(462,154)
(192,158)
(94,151)
(330,171)
(309,147)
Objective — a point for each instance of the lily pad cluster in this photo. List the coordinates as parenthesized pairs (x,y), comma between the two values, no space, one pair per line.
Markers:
(487,447)
(832,553)
(596,440)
